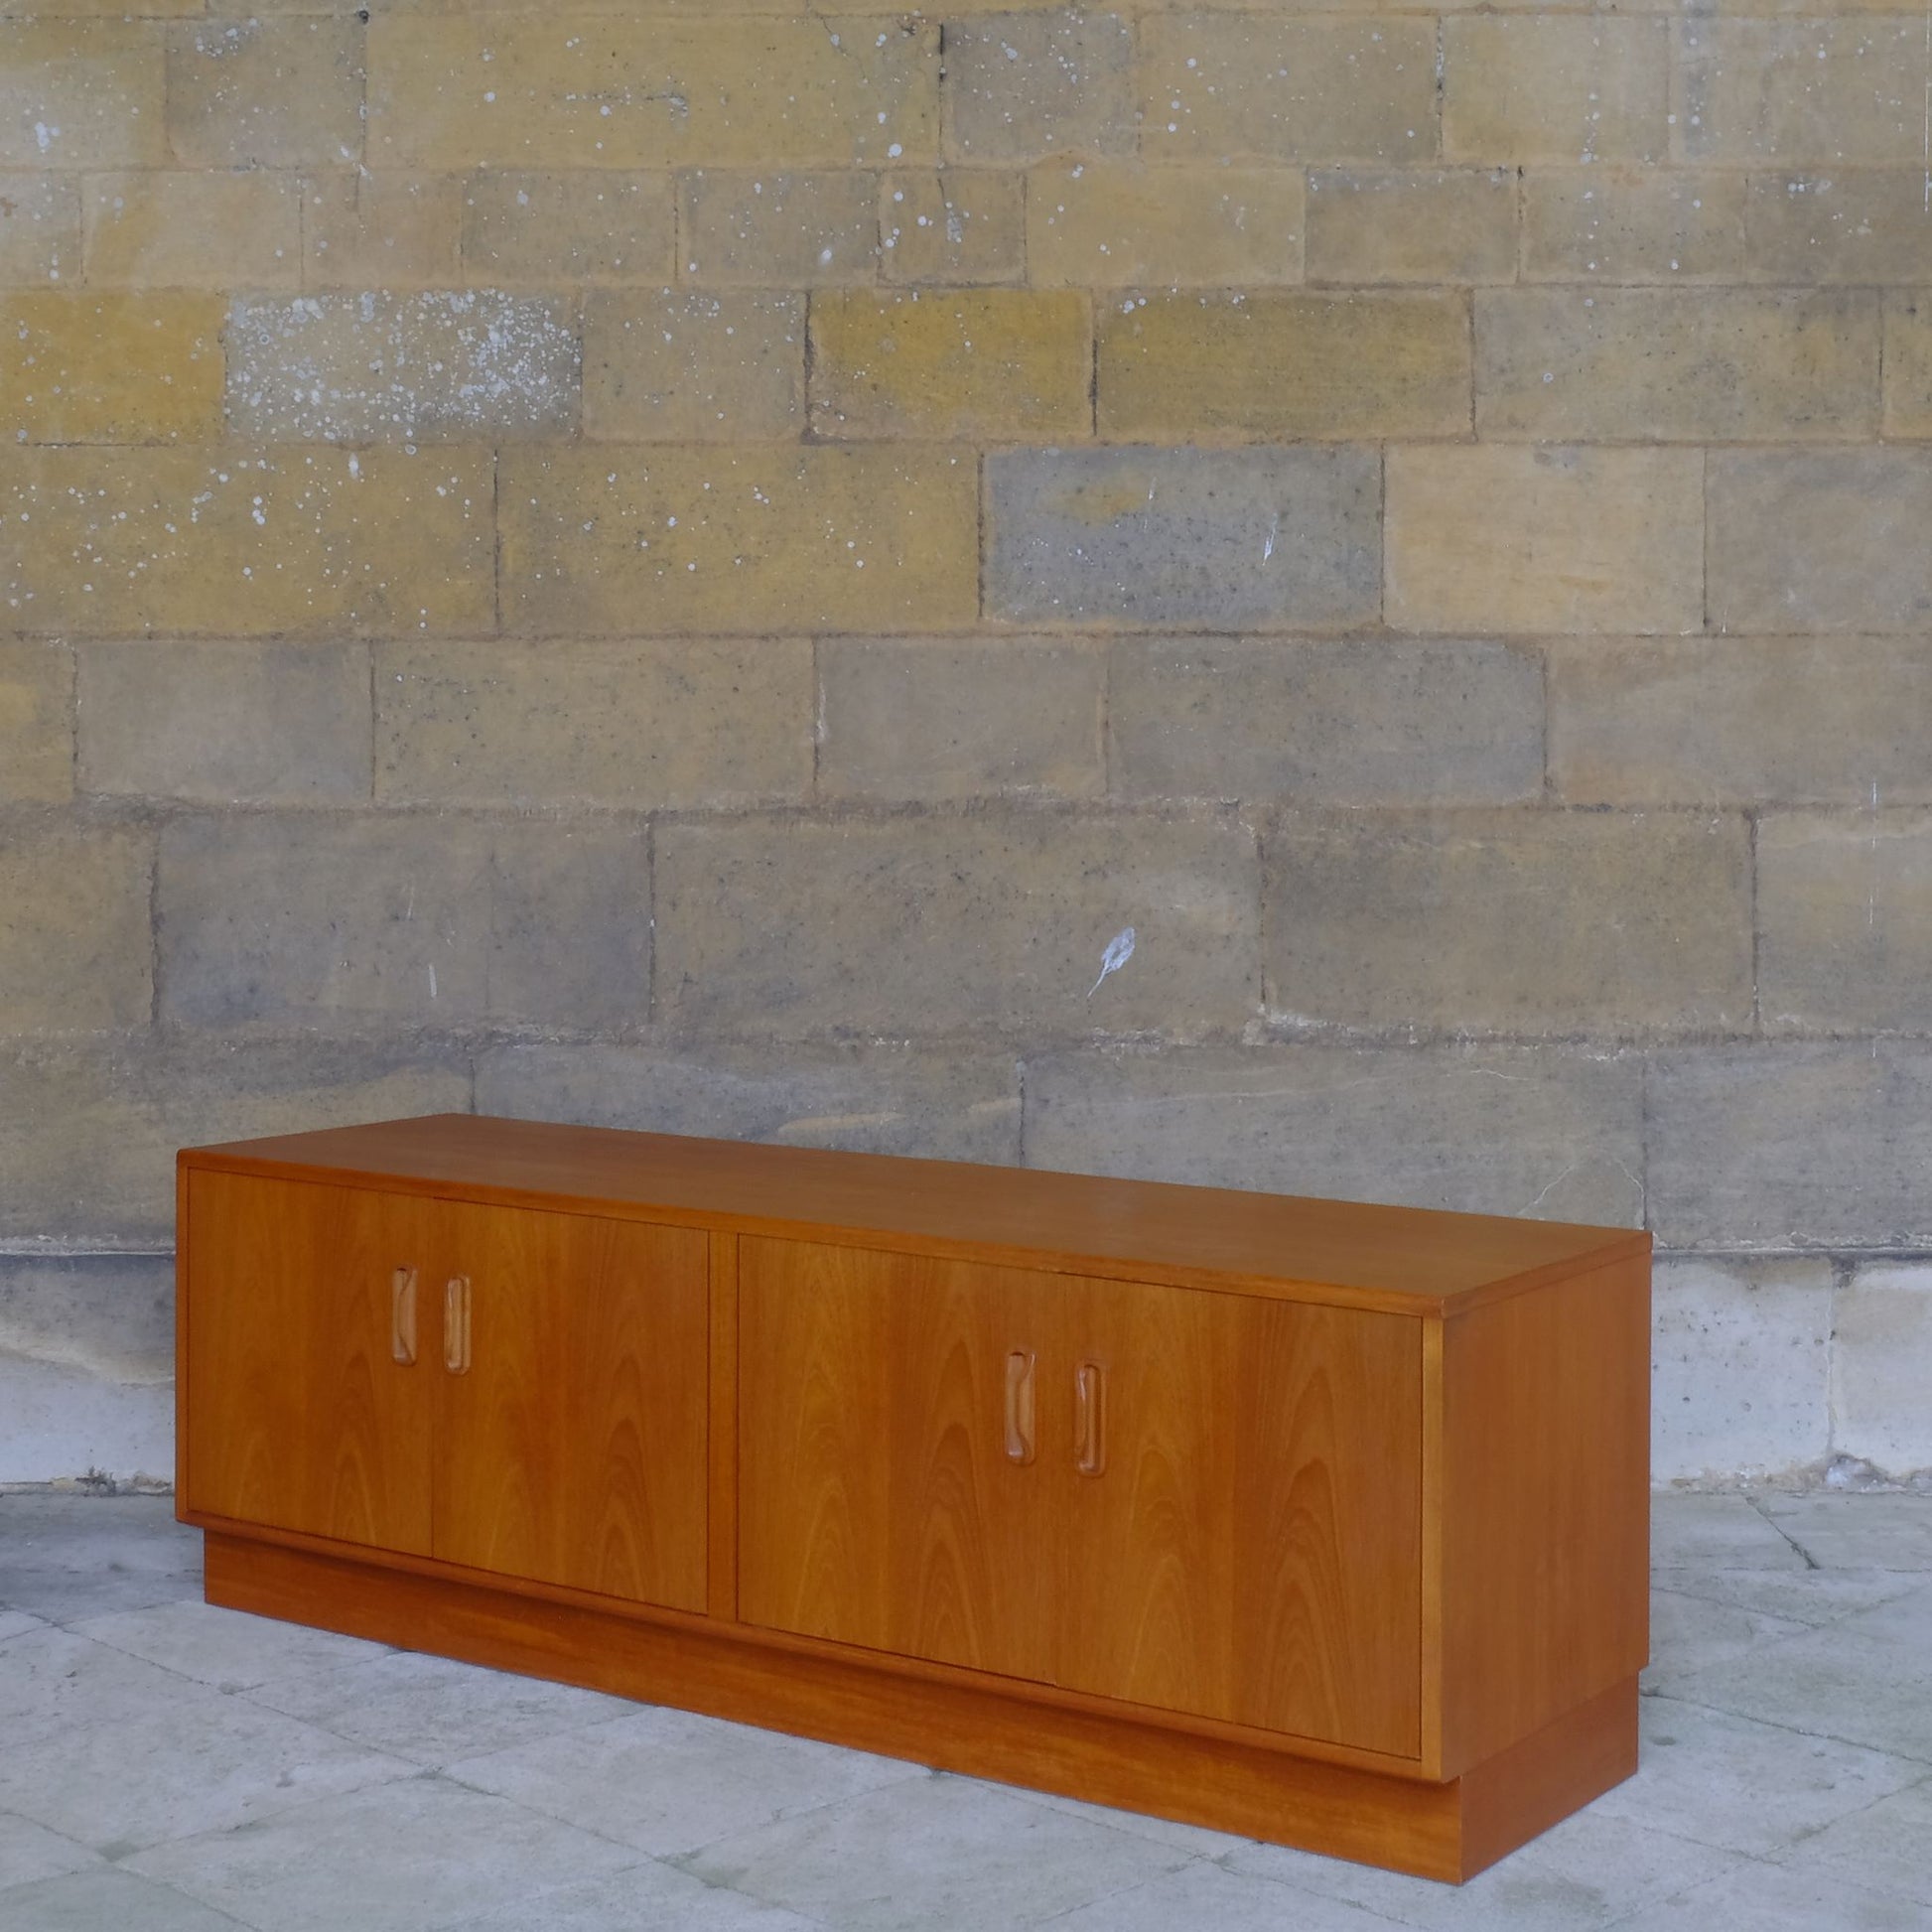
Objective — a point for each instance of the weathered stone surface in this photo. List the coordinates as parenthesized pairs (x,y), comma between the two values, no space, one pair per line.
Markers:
(224,722)
(1442,722)
(1844,921)
(994,922)
(1676,365)
(1632,224)
(83,93)
(266,94)
(971,365)
(341,368)
(1545,539)
(613,91)
(1520,87)
(1739,1356)
(934,719)
(89,1129)
(40,230)
(789,229)
(1218,86)
(1792,1146)
(1718,721)
(1820,540)
(36,721)
(87,1365)
(667,726)
(590,225)
(116,542)
(1261,539)
(1284,367)
(675,366)
(953,224)
(1099,223)
(602,542)
(1489,921)
(1881,1366)
(345,923)
(1454,225)
(937,1105)
(74,927)
(1851,224)
(1027,84)
(1908,365)
(381,230)
(1552,1134)
(1792,92)
(111,368)
(178,227)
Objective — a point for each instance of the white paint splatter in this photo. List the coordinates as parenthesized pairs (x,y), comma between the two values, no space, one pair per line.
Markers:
(1120,949)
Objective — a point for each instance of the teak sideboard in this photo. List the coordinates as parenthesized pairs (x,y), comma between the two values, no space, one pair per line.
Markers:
(1307,1520)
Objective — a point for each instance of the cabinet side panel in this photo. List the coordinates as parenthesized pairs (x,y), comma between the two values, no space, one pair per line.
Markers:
(722,1382)
(181,1239)
(1546,1505)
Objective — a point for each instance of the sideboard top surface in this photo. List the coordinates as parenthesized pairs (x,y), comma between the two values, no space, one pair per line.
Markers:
(1402,1259)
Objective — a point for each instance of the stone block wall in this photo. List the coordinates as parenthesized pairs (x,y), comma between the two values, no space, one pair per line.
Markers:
(693,563)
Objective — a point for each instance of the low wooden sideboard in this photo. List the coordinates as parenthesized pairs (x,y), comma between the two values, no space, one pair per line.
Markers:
(1309,1520)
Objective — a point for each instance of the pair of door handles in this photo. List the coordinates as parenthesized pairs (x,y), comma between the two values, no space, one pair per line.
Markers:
(456,1321)
(1089,1417)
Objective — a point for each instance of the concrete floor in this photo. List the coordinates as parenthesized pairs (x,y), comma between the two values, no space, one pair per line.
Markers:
(166,1767)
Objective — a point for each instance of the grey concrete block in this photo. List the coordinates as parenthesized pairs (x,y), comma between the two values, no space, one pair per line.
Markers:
(1881,1366)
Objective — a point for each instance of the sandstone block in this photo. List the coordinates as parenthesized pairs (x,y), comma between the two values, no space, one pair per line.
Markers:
(1217,87)
(1908,365)
(953,224)
(117,542)
(1851,224)
(1443,224)
(590,225)
(1278,367)
(381,230)
(1632,224)
(687,538)
(785,229)
(1722,721)
(83,93)
(1881,1365)
(1442,722)
(188,229)
(343,923)
(1676,365)
(637,725)
(450,90)
(36,723)
(1499,1130)
(996,923)
(40,230)
(972,365)
(1258,539)
(266,94)
(1545,539)
(111,368)
(1025,85)
(224,722)
(1820,540)
(673,365)
(74,927)
(1511,922)
(1528,87)
(931,719)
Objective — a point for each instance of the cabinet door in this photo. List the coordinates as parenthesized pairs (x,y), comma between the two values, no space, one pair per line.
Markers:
(877,1503)
(1246,1540)
(299,1413)
(572,1447)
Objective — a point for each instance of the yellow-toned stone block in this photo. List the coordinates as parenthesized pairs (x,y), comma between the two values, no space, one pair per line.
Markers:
(1122,224)
(36,721)
(239,543)
(583,226)
(111,368)
(995,364)
(381,230)
(1437,225)
(561,90)
(193,230)
(1526,539)
(1908,363)
(953,224)
(75,945)
(1522,88)
(602,542)
(40,230)
(762,229)
(1844,224)
(684,365)
(83,93)
(266,94)
(1633,225)
(1278,367)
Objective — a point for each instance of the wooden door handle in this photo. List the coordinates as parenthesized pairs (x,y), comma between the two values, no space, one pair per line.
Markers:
(1090,1420)
(402,1318)
(1020,1406)
(456,1324)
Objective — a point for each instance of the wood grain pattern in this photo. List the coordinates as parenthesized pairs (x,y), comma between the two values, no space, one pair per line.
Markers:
(300,1418)
(721,1587)
(1404,1260)
(574,1447)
